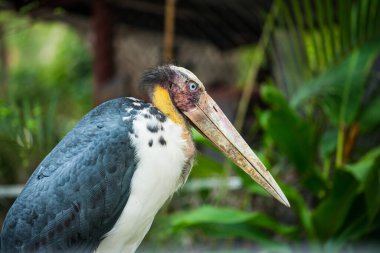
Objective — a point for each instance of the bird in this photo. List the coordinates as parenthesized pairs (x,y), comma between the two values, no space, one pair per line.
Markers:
(100,188)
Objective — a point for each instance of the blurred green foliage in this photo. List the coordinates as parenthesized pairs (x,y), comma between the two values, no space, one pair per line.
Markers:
(47,89)
(318,126)
(316,129)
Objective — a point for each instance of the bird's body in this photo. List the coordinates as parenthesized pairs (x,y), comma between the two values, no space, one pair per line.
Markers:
(101,186)
(163,167)
(129,139)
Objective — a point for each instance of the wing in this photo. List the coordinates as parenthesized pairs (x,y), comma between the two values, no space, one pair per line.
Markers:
(79,190)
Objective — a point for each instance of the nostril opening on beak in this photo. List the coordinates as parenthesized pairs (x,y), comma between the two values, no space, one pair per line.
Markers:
(215,108)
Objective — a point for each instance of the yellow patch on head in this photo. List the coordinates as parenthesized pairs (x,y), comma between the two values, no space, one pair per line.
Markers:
(162,100)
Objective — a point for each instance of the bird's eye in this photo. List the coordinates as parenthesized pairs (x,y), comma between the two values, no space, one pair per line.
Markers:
(193,86)
(170,85)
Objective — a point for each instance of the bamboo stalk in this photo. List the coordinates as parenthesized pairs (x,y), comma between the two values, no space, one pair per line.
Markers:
(342,30)
(351,137)
(300,26)
(330,26)
(356,23)
(321,22)
(169,30)
(293,51)
(366,18)
(340,147)
(257,59)
(314,39)
(376,19)
(372,5)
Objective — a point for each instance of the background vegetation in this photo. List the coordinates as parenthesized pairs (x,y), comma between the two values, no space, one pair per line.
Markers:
(318,131)
(47,88)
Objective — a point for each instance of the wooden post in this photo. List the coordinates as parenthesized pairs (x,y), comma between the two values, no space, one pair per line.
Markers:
(103,48)
(169,31)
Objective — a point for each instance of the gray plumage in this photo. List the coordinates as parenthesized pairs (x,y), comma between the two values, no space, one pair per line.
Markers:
(77,193)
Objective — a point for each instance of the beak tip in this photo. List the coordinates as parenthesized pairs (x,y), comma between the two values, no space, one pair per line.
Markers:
(280,196)
(286,202)
(273,188)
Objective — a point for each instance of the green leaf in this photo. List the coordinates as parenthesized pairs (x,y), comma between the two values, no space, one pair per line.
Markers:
(332,211)
(372,192)
(328,143)
(293,136)
(356,228)
(366,172)
(340,88)
(209,214)
(227,216)
(298,204)
(362,168)
(370,117)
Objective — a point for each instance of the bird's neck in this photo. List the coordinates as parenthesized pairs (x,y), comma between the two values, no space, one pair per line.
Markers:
(161,100)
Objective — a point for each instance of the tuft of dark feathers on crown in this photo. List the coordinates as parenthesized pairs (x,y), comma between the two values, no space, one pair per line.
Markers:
(159,75)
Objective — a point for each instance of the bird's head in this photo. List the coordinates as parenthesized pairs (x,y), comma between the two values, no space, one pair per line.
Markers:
(179,94)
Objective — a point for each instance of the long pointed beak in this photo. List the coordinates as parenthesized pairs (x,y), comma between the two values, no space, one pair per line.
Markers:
(211,121)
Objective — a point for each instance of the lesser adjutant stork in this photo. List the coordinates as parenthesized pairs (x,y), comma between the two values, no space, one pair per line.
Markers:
(100,188)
